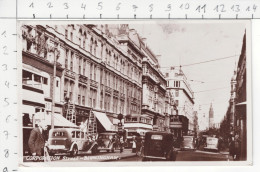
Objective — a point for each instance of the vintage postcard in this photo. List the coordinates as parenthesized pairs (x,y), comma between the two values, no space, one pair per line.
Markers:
(113,93)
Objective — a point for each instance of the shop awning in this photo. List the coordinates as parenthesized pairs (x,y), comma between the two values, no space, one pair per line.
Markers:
(241,103)
(103,119)
(59,120)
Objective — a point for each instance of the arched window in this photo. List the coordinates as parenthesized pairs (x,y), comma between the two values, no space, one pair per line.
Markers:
(95,48)
(91,45)
(84,40)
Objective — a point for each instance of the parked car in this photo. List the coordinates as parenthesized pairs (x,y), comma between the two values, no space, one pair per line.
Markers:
(211,144)
(108,142)
(159,146)
(188,143)
(70,140)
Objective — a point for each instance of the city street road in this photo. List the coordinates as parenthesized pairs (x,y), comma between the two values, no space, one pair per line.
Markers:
(192,156)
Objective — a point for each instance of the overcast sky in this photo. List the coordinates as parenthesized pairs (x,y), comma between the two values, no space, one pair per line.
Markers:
(182,43)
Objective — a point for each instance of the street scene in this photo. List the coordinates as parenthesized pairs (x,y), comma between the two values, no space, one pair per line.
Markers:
(142,91)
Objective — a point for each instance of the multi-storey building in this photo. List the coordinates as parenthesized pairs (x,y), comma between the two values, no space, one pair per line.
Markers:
(155,101)
(178,85)
(38,50)
(95,71)
(241,100)
(153,85)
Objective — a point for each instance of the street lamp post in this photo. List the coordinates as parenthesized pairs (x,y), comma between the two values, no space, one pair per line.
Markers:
(55,51)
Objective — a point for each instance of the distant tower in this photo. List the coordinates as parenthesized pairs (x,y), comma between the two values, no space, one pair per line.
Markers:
(211,116)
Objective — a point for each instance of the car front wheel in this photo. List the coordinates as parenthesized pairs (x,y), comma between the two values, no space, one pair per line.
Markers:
(94,150)
(74,151)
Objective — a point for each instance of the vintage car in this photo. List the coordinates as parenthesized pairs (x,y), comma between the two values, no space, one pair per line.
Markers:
(70,140)
(159,146)
(188,143)
(108,142)
(211,144)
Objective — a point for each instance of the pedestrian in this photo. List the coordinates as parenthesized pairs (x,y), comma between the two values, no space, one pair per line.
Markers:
(237,144)
(37,140)
(121,142)
(134,145)
(138,143)
(232,148)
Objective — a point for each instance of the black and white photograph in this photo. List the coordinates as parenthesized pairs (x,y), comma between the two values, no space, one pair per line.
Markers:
(135,92)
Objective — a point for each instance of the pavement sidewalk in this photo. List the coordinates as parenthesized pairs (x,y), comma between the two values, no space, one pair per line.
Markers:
(127,153)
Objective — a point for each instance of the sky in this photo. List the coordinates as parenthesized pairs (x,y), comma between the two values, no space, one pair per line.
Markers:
(189,42)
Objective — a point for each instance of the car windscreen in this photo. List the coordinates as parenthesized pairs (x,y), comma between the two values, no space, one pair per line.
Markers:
(156,137)
(104,136)
(58,134)
(188,138)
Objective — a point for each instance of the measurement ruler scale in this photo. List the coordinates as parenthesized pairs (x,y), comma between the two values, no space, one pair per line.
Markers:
(11,11)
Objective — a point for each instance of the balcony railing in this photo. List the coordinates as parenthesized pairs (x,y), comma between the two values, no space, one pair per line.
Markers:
(83,79)
(133,100)
(93,83)
(69,73)
(116,93)
(108,89)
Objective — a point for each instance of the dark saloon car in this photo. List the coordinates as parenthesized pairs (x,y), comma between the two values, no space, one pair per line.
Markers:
(159,146)
(188,143)
(108,142)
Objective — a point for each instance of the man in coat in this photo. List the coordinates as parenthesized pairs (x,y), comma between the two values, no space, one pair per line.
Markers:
(37,139)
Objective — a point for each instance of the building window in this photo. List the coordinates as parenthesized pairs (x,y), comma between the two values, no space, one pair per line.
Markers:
(80,42)
(167,84)
(71,36)
(117,80)
(27,76)
(45,81)
(177,93)
(114,82)
(101,101)
(83,100)
(66,59)
(84,43)
(79,99)
(84,67)
(57,83)
(94,103)
(79,66)
(66,33)
(108,80)
(70,96)
(37,78)
(91,70)
(177,102)
(90,102)
(71,62)
(101,76)
(94,73)
(105,78)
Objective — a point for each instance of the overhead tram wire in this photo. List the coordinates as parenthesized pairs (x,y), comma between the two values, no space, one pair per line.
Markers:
(207,61)
(211,90)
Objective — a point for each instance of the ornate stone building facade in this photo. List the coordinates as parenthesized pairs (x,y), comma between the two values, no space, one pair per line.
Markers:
(95,71)
(106,70)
